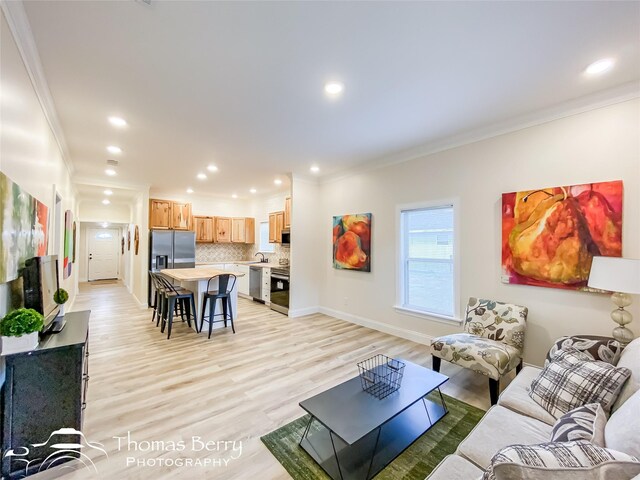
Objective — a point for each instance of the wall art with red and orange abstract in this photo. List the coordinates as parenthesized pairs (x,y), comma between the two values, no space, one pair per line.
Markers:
(550,235)
(352,242)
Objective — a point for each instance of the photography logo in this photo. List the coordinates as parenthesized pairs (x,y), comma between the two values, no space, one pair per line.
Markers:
(58,450)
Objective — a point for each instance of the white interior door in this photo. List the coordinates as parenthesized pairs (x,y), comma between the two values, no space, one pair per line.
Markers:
(103,246)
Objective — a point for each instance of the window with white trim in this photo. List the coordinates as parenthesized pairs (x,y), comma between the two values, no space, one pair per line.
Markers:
(428,264)
(265,246)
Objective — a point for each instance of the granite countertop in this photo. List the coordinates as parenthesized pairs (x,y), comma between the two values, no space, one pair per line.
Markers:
(195,274)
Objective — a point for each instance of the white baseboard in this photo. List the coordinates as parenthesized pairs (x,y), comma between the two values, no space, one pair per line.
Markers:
(301,312)
(412,335)
(141,305)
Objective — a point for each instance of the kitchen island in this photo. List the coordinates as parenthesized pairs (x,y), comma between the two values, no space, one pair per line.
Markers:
(195,279)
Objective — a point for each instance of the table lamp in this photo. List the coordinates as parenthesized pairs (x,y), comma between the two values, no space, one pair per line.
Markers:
(621,276)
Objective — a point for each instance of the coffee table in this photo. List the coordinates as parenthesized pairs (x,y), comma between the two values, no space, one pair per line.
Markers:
(359,434)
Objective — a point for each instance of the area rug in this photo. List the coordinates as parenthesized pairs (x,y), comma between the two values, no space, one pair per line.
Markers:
(416,462)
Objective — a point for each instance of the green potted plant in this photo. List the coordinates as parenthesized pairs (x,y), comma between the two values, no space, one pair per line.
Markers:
(60,297)
(19,330)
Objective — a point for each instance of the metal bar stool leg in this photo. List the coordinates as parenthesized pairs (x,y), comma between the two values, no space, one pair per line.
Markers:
(233,328)
(212,313)
(187,309)
(193,309)
(172,305)
(204,308)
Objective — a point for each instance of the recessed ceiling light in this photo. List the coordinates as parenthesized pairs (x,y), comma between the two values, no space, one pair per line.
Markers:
(201,176)
(314,169)
(106,202)
(189,190)
(234,196)
(253,190)
(108,192)
(105,224)
(600,66)
(117,122)
(110,171)
(333,88)
(113,149)
(277,181)
(212,168)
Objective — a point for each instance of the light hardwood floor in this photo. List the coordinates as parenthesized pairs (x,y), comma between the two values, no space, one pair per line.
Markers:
(230,388)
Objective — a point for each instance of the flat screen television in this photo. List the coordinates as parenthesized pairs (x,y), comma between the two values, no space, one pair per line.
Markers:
(40,282)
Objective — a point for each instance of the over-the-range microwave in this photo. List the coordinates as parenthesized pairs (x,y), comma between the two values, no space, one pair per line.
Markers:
(286,237)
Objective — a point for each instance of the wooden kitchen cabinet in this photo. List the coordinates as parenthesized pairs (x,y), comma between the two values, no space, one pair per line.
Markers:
(287,212)
(222,230)
(276,224)
(243,230)
(181,216)
(166,214)
(160,213)
(204,229)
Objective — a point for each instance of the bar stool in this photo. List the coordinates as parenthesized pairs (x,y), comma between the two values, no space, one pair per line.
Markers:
(158,298)
(176,299)
(226,282)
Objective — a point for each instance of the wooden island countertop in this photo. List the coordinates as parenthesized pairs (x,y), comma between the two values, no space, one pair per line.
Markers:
(196,274)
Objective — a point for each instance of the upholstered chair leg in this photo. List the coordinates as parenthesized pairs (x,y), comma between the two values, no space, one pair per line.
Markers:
(519,367)
(436,363)
(494,390)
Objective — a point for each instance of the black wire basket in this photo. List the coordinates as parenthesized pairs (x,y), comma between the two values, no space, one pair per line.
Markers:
(381,375)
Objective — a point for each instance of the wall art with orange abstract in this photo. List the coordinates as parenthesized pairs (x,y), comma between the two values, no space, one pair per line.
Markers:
(550,235)
(352,242)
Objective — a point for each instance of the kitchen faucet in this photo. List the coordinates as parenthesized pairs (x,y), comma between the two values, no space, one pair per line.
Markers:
(262,260)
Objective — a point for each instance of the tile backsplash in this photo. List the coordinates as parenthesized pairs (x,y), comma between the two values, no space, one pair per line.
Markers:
(221,252)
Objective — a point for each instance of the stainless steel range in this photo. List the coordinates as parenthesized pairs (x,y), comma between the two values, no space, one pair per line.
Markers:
(280,289)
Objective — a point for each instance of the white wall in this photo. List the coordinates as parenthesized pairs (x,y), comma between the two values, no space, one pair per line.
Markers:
(209,206)
(89,211)
(308,235)
(139,264)
(599,145)
(29,153)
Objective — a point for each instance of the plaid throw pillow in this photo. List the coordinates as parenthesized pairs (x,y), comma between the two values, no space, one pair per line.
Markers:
(572,380)
(582,423)
(560,461)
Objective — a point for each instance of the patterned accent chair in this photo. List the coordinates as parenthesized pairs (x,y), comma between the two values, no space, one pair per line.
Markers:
(492,344)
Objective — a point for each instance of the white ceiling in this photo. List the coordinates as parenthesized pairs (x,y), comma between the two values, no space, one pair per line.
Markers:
(241,84)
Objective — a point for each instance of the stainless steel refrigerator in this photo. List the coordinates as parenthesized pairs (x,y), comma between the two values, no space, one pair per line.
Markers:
(171,249)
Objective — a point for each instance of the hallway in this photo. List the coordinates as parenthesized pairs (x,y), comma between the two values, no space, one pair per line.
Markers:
(232,388)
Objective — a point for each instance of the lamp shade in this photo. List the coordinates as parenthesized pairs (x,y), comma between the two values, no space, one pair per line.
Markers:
(615,274)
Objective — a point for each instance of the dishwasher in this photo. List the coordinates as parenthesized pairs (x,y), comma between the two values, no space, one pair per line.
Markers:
(255,284)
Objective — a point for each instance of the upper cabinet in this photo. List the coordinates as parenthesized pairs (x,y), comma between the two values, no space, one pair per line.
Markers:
(243,230)
(276,224)
(169,215)
(222,230)
(204,229)
(287,212)
(181,216)
(160,213)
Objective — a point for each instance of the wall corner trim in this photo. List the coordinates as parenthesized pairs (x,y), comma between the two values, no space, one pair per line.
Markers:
(412,335)
(20,28)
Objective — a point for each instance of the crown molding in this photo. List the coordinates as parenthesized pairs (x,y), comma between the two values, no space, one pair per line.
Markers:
(601,99)
(23,36)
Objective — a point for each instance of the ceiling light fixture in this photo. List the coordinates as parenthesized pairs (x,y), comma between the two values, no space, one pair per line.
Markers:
(189,190)
(108,192)
(234,196)
(114,150)
(333,88)
(600,66)
(314,169)
(106,202)
(277,181)
(110,171)
(253,190)
(117,122)
(212,168)
(201,176)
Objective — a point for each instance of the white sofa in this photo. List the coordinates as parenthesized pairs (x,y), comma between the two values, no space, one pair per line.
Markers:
(517,419)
